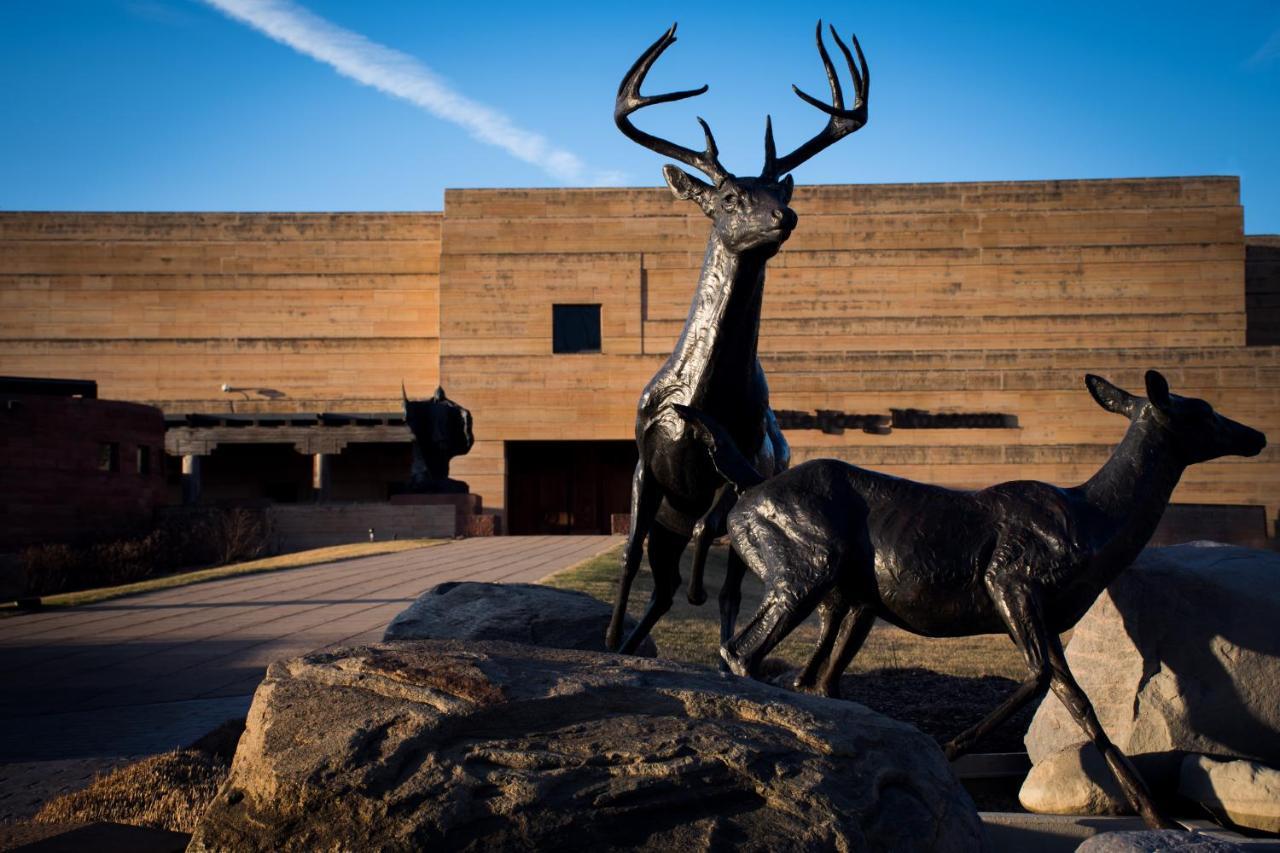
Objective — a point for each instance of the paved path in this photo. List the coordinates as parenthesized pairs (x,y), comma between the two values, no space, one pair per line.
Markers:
(151,672)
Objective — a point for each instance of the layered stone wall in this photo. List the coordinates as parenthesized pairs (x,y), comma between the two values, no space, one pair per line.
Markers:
(300,527)
(988,297)
(296,311)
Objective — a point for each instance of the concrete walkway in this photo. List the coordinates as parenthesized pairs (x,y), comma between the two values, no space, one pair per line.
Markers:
(152,672)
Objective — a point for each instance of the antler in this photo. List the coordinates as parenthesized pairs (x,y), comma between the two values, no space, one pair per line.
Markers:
(630,100)
(841,123)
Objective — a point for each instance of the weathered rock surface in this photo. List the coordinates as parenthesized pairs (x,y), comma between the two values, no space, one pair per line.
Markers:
(1180,653)
(487,746)
(515,612)
(1246,792)
(1075,780)
(1156,841)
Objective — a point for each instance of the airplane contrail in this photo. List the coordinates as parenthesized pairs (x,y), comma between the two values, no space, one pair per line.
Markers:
(400,75)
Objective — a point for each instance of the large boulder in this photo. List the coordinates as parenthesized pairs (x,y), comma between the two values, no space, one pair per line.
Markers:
(1075,780)
(496,746)
(1244,792)
(515,612)
(1180,654)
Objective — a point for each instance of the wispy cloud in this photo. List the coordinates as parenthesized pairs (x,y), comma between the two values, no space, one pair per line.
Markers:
(1270,50)
(402,76)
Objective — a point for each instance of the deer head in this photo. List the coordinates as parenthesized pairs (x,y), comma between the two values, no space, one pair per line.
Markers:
(1198,432)
(438,424)
(747,213)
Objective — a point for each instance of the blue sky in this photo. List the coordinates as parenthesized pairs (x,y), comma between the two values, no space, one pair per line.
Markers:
(178,105)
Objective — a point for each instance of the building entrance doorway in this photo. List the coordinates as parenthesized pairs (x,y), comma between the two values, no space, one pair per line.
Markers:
(567,486)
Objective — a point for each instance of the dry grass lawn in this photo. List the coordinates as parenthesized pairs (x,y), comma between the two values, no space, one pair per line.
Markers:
(168,791)
(942,685)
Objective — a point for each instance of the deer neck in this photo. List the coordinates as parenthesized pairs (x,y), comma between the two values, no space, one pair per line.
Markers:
(717,346)
(1133,488)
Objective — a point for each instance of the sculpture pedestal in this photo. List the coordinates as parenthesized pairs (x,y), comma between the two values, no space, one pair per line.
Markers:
(468,512)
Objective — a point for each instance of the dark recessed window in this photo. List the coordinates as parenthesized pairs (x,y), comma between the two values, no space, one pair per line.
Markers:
(144,459)
(575,328)
(109,456)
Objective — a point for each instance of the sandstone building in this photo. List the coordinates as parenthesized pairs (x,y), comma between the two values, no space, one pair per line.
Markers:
(936,331)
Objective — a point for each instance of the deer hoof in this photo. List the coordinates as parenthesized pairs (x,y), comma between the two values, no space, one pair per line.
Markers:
(697,597)
(814,689)
(735,666)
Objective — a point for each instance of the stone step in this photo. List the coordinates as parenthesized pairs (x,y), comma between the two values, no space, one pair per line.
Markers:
(1017,832)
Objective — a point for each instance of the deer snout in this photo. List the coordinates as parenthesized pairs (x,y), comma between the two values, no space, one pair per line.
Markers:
(1240,440)
(1253,441)
(785,218)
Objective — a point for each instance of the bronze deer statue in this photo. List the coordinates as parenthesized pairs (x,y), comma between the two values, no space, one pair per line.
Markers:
(676,494)
(1025,557)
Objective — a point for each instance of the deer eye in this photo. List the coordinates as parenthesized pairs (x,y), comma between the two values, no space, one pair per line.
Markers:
(729,202)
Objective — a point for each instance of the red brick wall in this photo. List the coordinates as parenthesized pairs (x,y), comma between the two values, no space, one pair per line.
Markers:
(51,486)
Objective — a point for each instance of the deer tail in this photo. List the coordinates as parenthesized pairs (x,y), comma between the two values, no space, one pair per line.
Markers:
(728,460)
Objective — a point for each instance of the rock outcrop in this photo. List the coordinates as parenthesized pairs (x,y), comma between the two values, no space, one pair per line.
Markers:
(1246,793)
(1156,841)
(1180,654)
(488,746)
(1075,780)
(515,612)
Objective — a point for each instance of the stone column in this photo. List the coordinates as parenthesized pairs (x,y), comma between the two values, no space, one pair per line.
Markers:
(321,465)
(190,479)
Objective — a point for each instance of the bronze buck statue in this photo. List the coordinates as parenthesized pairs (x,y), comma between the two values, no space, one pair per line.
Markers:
(1025,557)
(441,430)
(676,494)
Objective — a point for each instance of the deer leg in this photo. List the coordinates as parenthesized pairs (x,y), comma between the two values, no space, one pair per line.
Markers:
(665,548)
(780,612)
(852,636)
(705,531)
(1021,613)
(1081,710)
(796,579)
(831,613)
(645,499)
(730,600)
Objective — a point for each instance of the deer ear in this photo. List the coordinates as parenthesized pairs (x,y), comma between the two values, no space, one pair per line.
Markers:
(439,395)
(1158,391)
(1110,397)
(787,185)
(683,185)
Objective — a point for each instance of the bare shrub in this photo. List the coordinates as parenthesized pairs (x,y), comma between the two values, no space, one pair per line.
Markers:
(126,560)
(53,568)
(240,534)
(178,541)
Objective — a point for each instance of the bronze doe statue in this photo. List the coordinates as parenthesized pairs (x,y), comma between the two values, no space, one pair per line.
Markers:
(1024,557)
(676,494)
